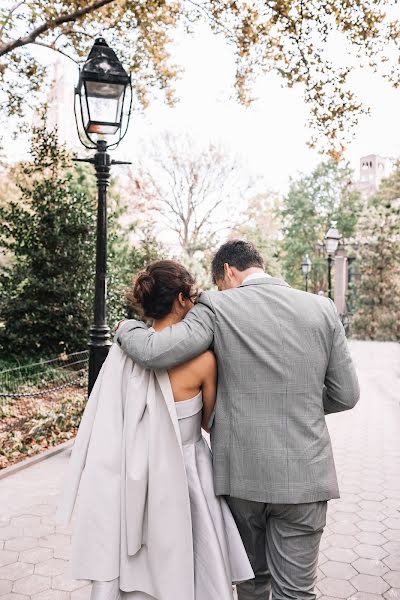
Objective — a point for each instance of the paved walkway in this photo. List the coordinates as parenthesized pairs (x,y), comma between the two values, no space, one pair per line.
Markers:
(360,551)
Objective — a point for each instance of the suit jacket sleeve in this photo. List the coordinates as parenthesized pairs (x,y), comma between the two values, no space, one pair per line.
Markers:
(342,390)
(173,345)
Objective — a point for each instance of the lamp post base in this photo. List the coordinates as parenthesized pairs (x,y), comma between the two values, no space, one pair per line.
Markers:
(99,347)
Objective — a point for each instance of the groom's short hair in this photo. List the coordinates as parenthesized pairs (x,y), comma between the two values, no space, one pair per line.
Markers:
(237,253)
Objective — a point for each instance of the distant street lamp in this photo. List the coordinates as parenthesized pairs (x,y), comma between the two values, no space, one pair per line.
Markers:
(332,238)
(306,267)
(101,95)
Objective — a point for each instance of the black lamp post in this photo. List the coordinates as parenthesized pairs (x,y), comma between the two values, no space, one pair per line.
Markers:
(101,94)
(332,238)
(306,267)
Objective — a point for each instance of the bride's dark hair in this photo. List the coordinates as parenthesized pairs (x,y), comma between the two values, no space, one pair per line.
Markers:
(154,290)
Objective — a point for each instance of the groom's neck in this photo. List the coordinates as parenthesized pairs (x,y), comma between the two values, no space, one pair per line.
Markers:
(248,272)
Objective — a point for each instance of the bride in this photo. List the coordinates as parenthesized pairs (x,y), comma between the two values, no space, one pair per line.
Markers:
(149,525)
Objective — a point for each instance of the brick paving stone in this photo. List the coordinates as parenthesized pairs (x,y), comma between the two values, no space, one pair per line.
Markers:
(392,548)
(9,532)
(392,523)
(393,562)
(5,586)
(25,521)
(39,531)
(15,571)
(375,526)
(51,595)
(342,541)
(392,594)
(64,530)
(41,509)
(7,557)
(344,527)
(341,554)
(371,538)
(84,593)
(33,584)
(54,540)
(372,496)
(321,559)
(365,596)
(63,552)
(4,521)
(66,584)
(349,507)
(370,515)
(392,535)
(324,543)
(337,588)
(391,503)
(370,567)
(370,505)
(393,579)
(338,570)
(374,552)
(21,543)
(370,583)
(36,555)
(390,512)
(347,517)
(53,566)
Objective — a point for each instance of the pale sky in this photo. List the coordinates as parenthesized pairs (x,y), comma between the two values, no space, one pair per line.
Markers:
(270,136)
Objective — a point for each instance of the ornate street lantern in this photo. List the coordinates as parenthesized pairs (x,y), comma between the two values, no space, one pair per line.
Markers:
(332,238)
(306,267)
(102,92)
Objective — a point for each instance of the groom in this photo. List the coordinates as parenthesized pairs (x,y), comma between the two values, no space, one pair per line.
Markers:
(283,363)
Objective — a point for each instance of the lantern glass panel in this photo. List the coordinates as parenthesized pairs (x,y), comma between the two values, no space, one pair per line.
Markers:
(105,102)
(331,245)
(306,265)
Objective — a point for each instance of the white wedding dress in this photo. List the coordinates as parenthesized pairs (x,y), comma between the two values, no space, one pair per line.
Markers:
(219,556)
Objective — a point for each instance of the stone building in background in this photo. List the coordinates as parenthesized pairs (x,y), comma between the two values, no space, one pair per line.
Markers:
(373,168)
(60,103)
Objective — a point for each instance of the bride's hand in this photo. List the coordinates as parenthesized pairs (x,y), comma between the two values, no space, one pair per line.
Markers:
(118,325)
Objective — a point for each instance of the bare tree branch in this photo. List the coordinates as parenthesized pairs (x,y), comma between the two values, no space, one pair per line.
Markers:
(10,14)
(5,48)
(51,47)
(190,185)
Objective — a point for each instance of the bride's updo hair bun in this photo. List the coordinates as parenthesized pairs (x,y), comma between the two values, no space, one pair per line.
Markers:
(144,287)
(155,289)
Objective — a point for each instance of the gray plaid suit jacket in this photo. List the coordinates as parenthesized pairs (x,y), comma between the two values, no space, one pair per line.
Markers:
(283,363)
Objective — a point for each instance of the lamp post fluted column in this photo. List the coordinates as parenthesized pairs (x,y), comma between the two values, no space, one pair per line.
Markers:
(332,239)
(330,261)
(99,340)
(99,333)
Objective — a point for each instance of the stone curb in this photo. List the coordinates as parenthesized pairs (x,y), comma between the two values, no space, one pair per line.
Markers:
(32,460)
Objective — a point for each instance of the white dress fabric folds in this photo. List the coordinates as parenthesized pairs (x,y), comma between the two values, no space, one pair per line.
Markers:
(148,524)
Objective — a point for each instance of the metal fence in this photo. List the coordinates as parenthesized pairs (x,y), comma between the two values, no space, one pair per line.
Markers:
(41,404)
(43,378)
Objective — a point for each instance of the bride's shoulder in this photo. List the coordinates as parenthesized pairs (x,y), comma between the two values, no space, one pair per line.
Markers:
(205,362)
